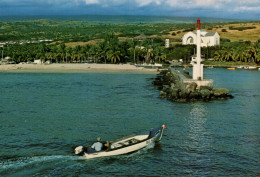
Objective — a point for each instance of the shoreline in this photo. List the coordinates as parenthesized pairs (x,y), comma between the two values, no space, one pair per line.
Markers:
(76,68)
(225,65)
(91,68)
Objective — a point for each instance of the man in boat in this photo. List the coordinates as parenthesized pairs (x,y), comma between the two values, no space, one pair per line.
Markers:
(97,146)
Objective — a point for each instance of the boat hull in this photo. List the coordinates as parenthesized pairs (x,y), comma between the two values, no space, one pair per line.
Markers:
(152,138)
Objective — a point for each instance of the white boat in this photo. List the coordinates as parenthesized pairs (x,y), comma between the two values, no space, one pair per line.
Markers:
(252,67)
(156,65)
(124,145)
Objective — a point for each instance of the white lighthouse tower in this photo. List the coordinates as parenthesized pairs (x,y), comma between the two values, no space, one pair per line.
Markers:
(197,73)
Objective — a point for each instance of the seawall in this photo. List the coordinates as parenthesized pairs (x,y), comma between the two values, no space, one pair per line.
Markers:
(178,86)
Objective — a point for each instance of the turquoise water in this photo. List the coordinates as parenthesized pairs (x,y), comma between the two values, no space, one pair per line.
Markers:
(45,116)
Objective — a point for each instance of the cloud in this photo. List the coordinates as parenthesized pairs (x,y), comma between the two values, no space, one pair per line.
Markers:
(92,2)
(215,8)
(148,2)
(191,4)
(228,5)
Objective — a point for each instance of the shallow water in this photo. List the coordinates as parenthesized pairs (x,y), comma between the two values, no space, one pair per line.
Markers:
(45,116)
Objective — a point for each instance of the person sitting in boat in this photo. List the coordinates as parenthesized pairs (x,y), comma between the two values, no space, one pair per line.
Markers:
(97,146)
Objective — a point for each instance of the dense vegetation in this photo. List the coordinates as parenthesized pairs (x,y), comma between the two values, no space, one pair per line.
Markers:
(110,50)
(238,52)
(104,42)
(74,31)
(241,28)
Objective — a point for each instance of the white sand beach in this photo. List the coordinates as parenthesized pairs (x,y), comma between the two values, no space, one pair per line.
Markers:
(76,68)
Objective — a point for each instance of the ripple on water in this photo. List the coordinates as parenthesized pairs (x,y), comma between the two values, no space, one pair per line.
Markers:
(45,116)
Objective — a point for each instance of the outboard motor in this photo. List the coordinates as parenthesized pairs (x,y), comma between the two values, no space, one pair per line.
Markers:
(79,150)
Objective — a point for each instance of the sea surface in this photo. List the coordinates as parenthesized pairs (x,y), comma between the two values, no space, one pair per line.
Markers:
(121,19)
(44,116)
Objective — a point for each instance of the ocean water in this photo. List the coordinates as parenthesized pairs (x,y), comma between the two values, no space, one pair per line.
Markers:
(116,18)
(44,116)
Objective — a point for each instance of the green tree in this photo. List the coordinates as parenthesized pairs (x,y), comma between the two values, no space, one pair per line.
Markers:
(114,54)
(227,54)
(94,52)
(69,53)
(159,54)
(62,51)
(132,50)
(102,49)
(146,43)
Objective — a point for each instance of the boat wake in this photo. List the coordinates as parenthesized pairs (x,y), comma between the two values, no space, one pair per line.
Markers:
(19,163)
(23,162)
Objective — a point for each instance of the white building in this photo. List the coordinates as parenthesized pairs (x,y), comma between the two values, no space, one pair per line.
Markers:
(167,43)
(2,44)
(207,39)
(38,61)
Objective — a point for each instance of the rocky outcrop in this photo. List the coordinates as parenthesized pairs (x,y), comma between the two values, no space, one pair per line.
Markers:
(172,88)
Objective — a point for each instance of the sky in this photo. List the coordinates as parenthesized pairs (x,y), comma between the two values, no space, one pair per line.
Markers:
(237,9)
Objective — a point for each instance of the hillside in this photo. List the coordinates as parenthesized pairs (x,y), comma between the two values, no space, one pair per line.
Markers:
(235,31)
(74,33)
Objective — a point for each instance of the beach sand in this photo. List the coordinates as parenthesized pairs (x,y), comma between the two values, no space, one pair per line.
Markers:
(76,68)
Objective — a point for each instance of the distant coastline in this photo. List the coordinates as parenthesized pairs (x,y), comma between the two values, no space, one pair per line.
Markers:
(117,19)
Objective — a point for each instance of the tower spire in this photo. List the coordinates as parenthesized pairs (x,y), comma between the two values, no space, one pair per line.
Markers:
(197,66)
(198,25)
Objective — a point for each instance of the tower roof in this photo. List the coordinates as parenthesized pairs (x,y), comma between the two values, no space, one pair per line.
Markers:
(211,34)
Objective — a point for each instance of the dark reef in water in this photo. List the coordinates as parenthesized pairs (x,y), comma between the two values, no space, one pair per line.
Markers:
(173,89)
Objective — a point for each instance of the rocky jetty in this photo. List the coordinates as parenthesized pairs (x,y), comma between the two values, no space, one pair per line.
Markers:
(174,89)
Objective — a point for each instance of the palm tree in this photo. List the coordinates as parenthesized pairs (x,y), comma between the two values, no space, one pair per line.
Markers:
(62,50)
(69,52)
(218,55)
(227,54)
(93,52)
(159,55)
(147,49)
(138,53)
(85,52)
(251,51)
(150,54)
(257,56)
(48,55)
(55,55)
(114,55)
(42,51)
(102,48)
(77,55)
(241,53)
(132,50)
(235,56)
